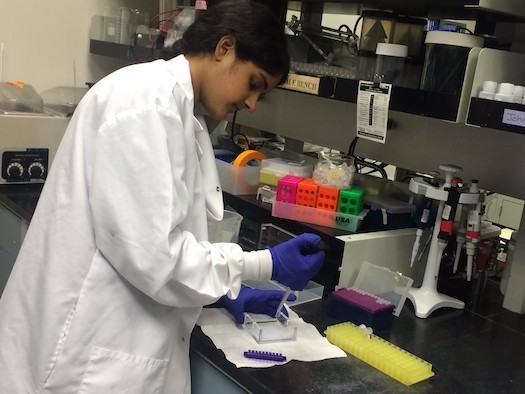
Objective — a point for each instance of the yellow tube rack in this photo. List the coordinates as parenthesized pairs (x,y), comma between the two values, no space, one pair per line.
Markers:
(380,354)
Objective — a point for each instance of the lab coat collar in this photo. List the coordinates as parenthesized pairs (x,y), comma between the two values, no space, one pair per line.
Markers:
(180,67)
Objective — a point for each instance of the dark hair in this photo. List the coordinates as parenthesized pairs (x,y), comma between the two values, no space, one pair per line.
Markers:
(259,35)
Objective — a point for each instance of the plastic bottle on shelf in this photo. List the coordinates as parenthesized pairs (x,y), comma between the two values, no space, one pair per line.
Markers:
(390,62)
(489,90)
(518,94)
(505,92)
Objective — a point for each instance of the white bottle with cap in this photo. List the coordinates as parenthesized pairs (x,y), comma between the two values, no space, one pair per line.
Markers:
(518,93)
(505,92)
(489,90)
(390,62)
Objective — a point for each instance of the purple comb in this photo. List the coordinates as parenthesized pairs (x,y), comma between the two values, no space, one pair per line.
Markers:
(260,355)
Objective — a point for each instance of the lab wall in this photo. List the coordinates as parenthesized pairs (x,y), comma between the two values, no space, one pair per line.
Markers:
(46,43)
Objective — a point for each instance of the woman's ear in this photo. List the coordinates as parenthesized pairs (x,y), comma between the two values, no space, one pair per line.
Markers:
(225,46)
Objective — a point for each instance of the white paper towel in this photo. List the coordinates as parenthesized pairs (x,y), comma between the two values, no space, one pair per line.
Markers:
(233,340)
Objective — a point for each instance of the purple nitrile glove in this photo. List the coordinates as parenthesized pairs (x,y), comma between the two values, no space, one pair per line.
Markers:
(253,301)
(297,260)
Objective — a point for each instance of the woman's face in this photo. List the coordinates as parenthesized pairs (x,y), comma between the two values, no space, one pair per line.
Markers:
(234,86)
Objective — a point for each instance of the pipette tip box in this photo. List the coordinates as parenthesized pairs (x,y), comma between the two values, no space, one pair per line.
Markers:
(359,307)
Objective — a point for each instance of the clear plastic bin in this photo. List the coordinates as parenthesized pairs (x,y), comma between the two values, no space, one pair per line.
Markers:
(313,291)
(238,180)
(275,168)
(388,213)
(318,216)
(19,97)
(384,283)
(62,100)
(226,230)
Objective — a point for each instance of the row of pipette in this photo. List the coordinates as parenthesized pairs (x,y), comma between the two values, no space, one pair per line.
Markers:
(469,204)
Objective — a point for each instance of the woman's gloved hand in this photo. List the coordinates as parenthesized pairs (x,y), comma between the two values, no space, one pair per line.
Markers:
(296,261)
(253,301)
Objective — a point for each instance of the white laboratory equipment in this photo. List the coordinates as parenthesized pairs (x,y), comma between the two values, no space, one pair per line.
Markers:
(33,131)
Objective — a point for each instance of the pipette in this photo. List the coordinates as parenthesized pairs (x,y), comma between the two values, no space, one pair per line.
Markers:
(462,228)
(421,225)
(415,248)
(473,234)
(447,220)
(460,240)
(473,229)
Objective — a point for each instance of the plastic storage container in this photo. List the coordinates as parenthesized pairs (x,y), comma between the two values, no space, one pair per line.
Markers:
(62,100)
(446,60)
(390,62)
(388,213)
(19,97)
(318,216)
(384,283)
(360,307)
(334,170)
(238,180)
(275,168)
(377,295)
(226,230)
(377,26)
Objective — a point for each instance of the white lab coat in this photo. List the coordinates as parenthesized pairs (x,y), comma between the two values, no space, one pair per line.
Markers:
(115,266)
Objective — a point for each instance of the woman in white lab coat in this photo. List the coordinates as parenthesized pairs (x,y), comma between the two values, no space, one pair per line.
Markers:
(115,266)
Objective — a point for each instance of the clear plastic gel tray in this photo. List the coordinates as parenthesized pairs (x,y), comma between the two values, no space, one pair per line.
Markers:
(313,291)
(265,329)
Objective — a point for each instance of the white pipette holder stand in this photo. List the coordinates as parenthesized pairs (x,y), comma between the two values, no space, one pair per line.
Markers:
(426,299)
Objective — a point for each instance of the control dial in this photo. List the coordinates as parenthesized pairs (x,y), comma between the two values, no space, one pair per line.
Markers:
(36,170)
(15,170)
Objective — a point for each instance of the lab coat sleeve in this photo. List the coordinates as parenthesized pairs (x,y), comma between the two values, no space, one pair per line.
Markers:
(140,193)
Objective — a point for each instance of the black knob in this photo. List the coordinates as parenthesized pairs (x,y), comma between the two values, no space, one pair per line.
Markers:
(14,170)
(36,170)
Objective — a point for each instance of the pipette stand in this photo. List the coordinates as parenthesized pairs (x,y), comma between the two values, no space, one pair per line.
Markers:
(427,299)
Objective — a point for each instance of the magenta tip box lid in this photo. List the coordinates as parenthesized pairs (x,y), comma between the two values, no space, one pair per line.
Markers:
(362,299)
